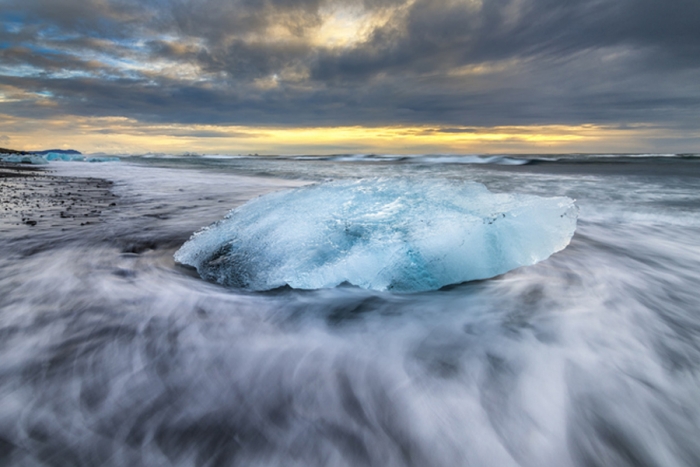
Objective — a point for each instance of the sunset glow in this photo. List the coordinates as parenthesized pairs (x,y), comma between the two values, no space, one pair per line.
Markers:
(123,135)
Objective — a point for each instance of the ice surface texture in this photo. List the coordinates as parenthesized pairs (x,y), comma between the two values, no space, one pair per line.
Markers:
(381,234)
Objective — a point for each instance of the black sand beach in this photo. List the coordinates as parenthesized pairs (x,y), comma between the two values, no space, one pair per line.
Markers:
(31,197)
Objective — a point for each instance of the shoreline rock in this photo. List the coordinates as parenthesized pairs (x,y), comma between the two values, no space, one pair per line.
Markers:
(32,198)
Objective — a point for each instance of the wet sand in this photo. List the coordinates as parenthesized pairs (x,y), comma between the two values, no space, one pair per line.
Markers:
(32,198)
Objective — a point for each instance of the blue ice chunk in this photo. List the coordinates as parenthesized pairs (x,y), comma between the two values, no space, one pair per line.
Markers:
(58,156)
(22,158)
(381,234)
(46,157)
(61,156)
(103,159)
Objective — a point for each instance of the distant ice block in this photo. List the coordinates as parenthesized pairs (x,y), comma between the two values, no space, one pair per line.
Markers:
(23,158)
(46,157)
(60,156)
(54,156)
(381,234)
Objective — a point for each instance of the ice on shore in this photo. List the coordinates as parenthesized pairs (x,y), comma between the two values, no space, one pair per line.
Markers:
(381,234)
(45,158)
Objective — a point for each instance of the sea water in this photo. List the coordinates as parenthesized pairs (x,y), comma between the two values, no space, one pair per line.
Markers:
(112,354)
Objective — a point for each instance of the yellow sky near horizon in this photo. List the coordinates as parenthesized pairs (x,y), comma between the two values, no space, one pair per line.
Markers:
(128,136)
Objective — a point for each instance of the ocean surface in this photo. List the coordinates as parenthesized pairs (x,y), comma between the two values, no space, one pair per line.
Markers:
(111,354)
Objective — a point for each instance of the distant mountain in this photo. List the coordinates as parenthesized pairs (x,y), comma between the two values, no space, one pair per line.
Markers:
(57,151)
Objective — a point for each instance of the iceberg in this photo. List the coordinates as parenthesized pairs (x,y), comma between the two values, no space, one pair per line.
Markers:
(382,234)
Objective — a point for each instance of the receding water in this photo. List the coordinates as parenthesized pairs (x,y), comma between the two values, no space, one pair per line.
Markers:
(111,354)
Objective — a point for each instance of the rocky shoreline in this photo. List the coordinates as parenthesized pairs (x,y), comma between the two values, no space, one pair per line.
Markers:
(32,198)
(29,153)
(14,151)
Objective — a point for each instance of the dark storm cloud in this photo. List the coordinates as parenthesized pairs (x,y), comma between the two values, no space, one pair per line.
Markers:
(441,33)
(449,62)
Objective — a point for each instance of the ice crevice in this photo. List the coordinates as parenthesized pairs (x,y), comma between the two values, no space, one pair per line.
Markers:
(381,234)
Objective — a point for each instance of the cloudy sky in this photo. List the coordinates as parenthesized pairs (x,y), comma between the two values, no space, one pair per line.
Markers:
(317,76)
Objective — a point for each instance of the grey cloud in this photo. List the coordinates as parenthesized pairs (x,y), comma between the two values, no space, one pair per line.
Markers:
(112,18)
(456,130)
(443,33)
(218,19)
(543,61)
(48,63)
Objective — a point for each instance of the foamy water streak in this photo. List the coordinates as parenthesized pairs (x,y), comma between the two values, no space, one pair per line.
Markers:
(111,355)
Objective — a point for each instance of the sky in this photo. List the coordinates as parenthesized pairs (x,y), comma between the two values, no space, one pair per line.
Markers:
(353,76)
